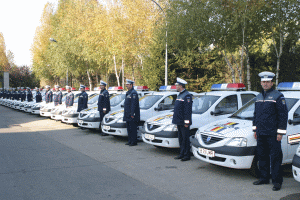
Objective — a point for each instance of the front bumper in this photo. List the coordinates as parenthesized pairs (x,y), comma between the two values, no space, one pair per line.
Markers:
(69,120)
(45,114)
(36,112)
(296,167)
(28,110)
(87,124)
(56,117)
(232,157)
(163,139)
(114,130)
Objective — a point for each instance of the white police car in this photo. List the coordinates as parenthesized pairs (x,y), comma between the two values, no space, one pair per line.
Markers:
(90,118)
(46,108)
(70,114)
(151,105)
(56,112)
(208,107)
(230,142)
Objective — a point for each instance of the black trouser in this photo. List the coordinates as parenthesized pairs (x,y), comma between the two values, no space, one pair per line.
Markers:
(132,132)
(269,152)
(184,141)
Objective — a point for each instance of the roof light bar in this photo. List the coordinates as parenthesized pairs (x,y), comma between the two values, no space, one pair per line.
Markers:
(73,89)
(228,86)
(289,86)
(63,89)
(141,88)
(119,88)
(167,88)
(87,89)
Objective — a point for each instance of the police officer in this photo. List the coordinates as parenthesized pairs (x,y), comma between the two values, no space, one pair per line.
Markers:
(57,96)
(82,99)
(69,97)
(29,94)
(131,113)
(23,94)
(38,96)
(103,103)
(182,117)
(269,125)
(1,93)
(48,95)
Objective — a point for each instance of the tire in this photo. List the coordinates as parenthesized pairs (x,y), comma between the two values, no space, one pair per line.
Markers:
(75,125)
(254,170)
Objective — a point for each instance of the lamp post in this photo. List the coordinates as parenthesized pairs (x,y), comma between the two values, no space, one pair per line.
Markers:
(166,59)
(67,78)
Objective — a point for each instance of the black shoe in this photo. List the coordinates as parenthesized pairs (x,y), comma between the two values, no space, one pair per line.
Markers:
(178,157)
(127,143)
(185,159)
(259,182)
(276,187)
(103,134)
(135,144)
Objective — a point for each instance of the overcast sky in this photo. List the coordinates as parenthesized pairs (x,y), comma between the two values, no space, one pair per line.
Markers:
(18,21)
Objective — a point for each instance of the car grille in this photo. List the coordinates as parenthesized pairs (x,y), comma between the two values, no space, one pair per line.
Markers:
(212,139)
(82,115)
(151,127)
(107,120)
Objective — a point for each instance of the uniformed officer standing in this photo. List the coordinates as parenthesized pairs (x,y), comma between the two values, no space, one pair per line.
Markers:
(82,99)
(48,95)
(182,117)
(131,113)
(38,96)
(29,95)
(69,97)
(1,93)
(23,94)
(57,96)
(103,103)
(269,125)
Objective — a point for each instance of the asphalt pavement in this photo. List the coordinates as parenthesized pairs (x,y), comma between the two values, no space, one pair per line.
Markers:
(44,159)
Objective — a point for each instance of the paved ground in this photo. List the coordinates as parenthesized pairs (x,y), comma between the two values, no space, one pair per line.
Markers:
(44,159)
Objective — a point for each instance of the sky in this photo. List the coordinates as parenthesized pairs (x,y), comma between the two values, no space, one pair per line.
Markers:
(18,21)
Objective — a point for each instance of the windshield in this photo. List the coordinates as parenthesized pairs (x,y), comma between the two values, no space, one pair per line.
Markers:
(202,103)
(247,111)
(116,99)
(148,101)
(93,99)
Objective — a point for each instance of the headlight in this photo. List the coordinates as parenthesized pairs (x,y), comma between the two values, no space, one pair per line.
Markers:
(298,152)
(197,134)
(92,115)
(71,112)
(120,120)
(237,142)
(171,127)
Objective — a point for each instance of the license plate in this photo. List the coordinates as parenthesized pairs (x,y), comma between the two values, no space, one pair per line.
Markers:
(149,137)
(206,152)
(106,127)
(80,121)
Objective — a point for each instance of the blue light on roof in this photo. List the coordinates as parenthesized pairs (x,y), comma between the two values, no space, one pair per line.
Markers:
(163,88)
(289,86)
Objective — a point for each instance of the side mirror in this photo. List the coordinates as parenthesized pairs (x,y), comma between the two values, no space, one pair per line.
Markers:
(294,121)
(159,108)
(216,112)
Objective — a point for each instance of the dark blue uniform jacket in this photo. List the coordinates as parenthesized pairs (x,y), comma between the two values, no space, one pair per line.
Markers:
(270,114)
(29,96)
(82,101)
(183,109)
(69,99)
(23,96)
(103,103)
(131,106)
(57,97)
(38,97)
(48,96)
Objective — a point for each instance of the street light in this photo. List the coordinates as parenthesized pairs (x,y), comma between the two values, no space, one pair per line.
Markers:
(53,40)
(166,61)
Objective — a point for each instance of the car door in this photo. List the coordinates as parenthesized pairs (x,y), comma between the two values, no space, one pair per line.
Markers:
(225,107)
(293,128)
